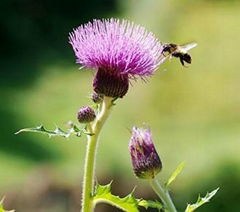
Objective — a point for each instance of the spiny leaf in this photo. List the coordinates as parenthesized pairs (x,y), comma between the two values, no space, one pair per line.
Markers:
(41,129)
(201,201)
(1,207)
(74,130)
(176,172)
(103,194)
(128,203)
(150,204)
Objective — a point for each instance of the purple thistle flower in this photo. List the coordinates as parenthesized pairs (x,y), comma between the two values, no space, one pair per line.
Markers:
(145,159)
(118,50)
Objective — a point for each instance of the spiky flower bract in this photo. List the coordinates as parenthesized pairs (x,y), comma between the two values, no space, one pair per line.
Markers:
(145,159)
(119,50)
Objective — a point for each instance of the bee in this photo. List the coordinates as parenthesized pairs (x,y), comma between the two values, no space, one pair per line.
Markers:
(179,51)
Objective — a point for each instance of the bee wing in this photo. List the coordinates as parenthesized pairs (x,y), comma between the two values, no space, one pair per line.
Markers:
(188,46)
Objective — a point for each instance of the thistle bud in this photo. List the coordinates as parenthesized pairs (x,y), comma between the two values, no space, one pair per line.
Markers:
(97,98)
(145,159)
(86,115)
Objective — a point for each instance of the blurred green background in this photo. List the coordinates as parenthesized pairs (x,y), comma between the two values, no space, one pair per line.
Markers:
(193,112)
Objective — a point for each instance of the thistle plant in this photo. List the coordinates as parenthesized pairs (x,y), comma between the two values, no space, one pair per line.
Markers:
(147,164)
(119,51)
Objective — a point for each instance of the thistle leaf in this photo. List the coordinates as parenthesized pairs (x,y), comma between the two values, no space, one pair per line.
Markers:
(150,204)
(128,203)
(74,130)
(201,201)
(1,207)
(103,194)
(176,172)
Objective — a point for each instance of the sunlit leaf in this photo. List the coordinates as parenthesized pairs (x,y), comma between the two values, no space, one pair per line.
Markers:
(103,194)
(1,207)
(176,172)
(74,130)
(128,203)
(201,201)
(150,204)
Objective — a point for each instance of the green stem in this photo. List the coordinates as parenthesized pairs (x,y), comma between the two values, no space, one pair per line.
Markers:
(164,195)
(95,129)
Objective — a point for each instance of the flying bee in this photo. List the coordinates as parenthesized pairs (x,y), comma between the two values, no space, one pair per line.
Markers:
(179,51)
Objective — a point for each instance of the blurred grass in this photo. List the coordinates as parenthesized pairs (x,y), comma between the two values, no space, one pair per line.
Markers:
(193,112)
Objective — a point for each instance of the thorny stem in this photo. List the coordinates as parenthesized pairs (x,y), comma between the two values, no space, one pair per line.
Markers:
(89,167)
(164,195)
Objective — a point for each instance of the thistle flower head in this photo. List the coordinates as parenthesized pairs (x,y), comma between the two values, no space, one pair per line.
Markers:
(145,159)
(118,50)
(86,115)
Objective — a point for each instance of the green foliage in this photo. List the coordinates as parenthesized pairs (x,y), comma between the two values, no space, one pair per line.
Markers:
(201,201)
(176,172)
(1,207)
(74,130)
(103,194)
(150,204)
(128,203)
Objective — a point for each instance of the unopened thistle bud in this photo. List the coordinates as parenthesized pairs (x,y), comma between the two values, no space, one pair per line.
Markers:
(145,159)
(97,98)
(86,115)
